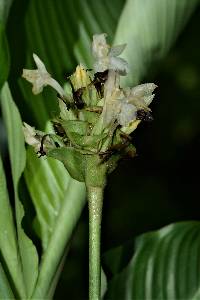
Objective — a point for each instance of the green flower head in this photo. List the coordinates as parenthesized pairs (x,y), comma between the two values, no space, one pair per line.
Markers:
(98,115)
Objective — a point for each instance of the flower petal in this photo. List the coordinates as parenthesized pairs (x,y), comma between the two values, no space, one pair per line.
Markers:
(143,89)
(118,64)
(117,50)
(40,65)
(128,113)
(41,78)
(100,48)
(31,137)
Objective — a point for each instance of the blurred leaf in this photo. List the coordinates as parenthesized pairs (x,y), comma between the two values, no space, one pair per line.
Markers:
(4,52)
(103,283)
(58,201)
(165,266)
(28,253)
(4,9)
(4,56)
(8,243)
(150,28)
(5,290)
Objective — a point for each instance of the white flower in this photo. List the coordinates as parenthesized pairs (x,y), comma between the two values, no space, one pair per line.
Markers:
(106,57)
(112,92)
(128,113)
(31,137)
(41,78)
(122,104)
(141,95)
(37,139)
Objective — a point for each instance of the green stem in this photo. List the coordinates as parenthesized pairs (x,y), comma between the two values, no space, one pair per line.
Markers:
(95,203)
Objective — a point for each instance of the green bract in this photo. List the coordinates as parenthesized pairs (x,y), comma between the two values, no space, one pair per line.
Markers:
(96,117)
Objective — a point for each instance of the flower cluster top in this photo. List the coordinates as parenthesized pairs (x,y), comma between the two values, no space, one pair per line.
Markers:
(98,114)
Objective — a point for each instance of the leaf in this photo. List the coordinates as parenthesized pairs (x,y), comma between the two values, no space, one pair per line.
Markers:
(103,283)
(4,56)
(150,28)
(58,201)
(4,52)
(165,266)
(28,253)
(5,289)
(4,9)
(8,243)
(72,159)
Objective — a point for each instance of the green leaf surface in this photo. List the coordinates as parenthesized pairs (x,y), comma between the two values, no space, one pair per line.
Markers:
(58,201)
(4,9)
(150,28)
(4,56)
(4,52)
(165,265)
(5,289)
(28,253)
(8,242)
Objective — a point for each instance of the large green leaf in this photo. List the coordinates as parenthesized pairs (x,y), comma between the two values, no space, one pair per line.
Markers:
(58,201)
(4,9)
(4,53)
(165,265)
(8,242)
(5,289)
(150,28)
(28,253)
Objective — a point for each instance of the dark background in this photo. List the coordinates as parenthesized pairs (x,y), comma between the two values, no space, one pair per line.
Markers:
(161,185)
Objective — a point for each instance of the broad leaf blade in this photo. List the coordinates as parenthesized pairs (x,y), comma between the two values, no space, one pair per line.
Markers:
(5,289)
(4,56)
(4,9)
(150,28)
(166,265)
(28,253)
(8,243)
(4,53)
(58,201)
